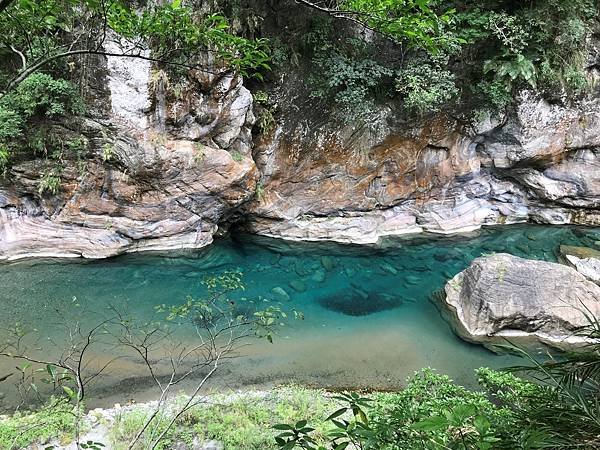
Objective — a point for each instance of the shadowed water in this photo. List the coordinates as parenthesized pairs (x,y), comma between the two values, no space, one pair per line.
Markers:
(368,321)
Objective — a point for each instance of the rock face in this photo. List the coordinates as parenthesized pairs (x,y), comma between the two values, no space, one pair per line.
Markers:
(168,163)
(357,183)
(163,170)
(505,297)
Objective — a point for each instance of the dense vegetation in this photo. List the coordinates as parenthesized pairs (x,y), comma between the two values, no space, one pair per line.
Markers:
(466,56)
(424,55)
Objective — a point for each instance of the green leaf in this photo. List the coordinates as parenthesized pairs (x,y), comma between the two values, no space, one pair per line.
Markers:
(435,423)
(335,414)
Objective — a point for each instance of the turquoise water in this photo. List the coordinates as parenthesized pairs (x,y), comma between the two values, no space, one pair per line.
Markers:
(368,319)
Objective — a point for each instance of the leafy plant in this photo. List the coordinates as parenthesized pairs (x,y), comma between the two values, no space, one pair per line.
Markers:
(49,182)
(427,86)
(237,156)
(55,419)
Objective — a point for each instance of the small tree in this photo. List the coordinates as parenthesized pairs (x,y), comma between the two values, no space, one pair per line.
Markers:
(217,328)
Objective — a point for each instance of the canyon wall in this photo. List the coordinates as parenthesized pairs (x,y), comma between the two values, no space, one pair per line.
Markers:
(168,167)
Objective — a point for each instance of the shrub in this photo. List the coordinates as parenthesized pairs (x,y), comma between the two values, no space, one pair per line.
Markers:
(426,86)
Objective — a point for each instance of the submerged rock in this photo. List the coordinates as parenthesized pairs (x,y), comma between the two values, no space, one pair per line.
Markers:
(583,259)
(298,285)
(412,280)
(319,276)
(280,294)
(328,263)
(503,297)
(352,303)
(579,252)
(387,267)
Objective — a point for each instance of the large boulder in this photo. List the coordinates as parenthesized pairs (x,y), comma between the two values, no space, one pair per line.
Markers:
(502,297)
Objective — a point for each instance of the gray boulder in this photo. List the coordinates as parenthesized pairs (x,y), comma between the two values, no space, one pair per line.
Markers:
(583,259)
(502,297)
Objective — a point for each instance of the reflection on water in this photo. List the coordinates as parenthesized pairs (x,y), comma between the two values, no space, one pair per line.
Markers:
(368,321)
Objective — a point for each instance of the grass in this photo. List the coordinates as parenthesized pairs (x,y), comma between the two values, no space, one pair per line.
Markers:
(127,425)
(240,422)
(55,420)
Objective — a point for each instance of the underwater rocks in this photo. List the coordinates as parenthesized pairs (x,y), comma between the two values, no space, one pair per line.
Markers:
(357,303)
(504,297)
(328,263)
(298,285)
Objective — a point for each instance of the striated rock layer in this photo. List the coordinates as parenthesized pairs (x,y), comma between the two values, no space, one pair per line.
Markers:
(358,183)
(161,174)
(166,166)
(504,297)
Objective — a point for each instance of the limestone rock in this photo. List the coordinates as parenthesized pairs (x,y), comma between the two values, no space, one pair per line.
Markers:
(588,267)
(583,259)
(505,297)
(355,183)
(579,252)
(153,184)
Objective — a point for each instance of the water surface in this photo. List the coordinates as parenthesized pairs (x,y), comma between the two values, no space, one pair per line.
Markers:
(368,319)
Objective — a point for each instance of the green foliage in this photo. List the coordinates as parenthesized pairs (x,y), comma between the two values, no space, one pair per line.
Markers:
(237,156)
(49,182)
(240,421)
(218,309)
(38,99)
(433,412)
(417,23)
(265,120)
(260,191)
(11,124)
(426,86)
(175,32)
(42,95)
(345,73)
(22,430)
(127,425)
(539,45)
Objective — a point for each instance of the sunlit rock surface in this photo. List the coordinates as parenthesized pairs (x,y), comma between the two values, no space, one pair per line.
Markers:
(502,298)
